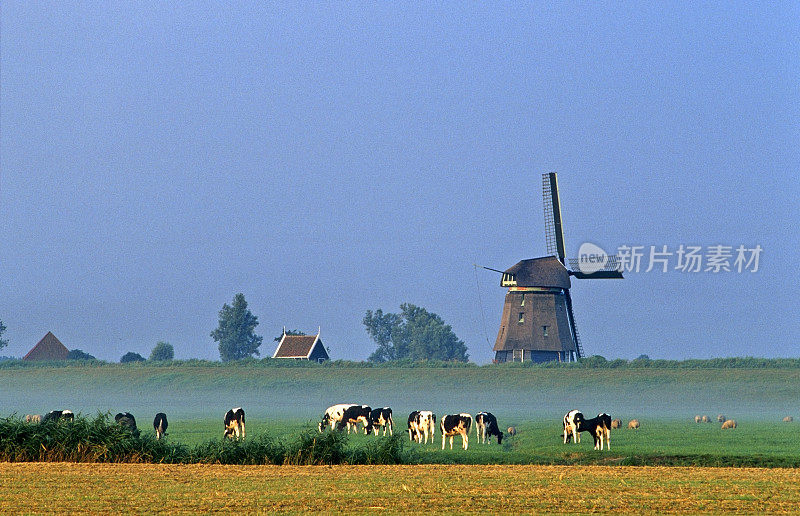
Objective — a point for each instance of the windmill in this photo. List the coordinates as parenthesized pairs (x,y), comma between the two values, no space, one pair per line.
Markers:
(538,323)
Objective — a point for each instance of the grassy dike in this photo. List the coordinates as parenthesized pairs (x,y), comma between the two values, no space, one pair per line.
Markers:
(207,390)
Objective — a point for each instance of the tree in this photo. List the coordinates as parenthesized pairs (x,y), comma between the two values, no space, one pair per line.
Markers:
(162,352)
(235,333)
(414,334)
(385,330)
(130,356)
(3,343)
(77,354)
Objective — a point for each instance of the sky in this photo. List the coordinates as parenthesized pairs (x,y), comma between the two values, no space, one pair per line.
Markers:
(325,159)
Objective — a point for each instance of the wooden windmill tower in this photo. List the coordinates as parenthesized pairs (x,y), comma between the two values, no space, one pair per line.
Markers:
(537,322)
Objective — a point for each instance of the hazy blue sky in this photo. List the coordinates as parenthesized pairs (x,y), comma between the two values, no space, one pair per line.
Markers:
(326,159)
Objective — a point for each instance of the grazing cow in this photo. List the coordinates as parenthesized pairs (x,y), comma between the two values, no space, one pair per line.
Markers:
(382,417)
(456,424)
(697,419)
(788,419)
(599,427)
(512,431)
(33,418)
(126,420)
(333,415)
(486,425)
(616,423)
(706,419)
(421,425)
(234,424)
(160,424)
(59,415)
(721,418)
(571,420)
(729,424)
(633,424)
(412,426)
(352,415)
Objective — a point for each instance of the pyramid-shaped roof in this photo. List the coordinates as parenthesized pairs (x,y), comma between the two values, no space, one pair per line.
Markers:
(49,348)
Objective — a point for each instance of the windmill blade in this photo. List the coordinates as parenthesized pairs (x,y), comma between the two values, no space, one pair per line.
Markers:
(553,232)
(611,269)
(597,275)
(572,327)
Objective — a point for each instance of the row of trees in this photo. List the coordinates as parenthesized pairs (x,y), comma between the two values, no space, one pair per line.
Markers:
(162,352)
(412,334)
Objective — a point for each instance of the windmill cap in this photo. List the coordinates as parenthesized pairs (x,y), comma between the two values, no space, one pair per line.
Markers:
(540,272)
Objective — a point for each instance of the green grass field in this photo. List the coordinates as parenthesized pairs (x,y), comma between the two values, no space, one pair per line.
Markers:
(281,402)
(657,442)
(533,472)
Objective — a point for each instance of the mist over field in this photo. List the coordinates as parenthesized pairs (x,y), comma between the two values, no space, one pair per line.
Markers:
(513,394)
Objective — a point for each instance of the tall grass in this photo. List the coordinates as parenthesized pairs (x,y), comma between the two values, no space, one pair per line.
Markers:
(102,440)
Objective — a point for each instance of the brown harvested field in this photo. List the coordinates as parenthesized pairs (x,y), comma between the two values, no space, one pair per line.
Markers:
(107,488)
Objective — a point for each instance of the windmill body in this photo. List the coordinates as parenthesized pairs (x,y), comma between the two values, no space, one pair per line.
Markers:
(538,323)
(535,323)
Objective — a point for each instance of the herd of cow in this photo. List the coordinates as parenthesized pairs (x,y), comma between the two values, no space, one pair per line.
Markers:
(421,424)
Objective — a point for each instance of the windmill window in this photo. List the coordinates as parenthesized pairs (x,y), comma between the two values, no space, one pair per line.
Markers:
(522,301)
(544,331)
(521,317)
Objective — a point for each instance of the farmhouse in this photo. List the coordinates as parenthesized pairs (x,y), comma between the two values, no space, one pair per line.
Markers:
(49,348)
(301,347)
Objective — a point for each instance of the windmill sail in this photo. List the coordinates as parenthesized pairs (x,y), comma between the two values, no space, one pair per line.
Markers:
(573,328)
(554,233)
(612,269)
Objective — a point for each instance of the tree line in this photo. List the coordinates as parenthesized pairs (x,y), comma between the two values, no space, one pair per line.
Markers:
(413,334)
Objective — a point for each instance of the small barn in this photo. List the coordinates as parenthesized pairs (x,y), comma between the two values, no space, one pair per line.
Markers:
(49,348)
(301,347)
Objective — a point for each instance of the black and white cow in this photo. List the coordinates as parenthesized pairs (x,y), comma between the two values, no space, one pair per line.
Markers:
(456,424)
(382,418)
(234,424)
(59,415)
(333,415)
(600,429)
(421,425)
(126,420)
(354,414)
(412,426)
(160,424)
(486,426)
(571,420)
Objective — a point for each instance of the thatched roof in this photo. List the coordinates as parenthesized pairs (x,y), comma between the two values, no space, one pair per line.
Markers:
(49,348)
(540,272)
